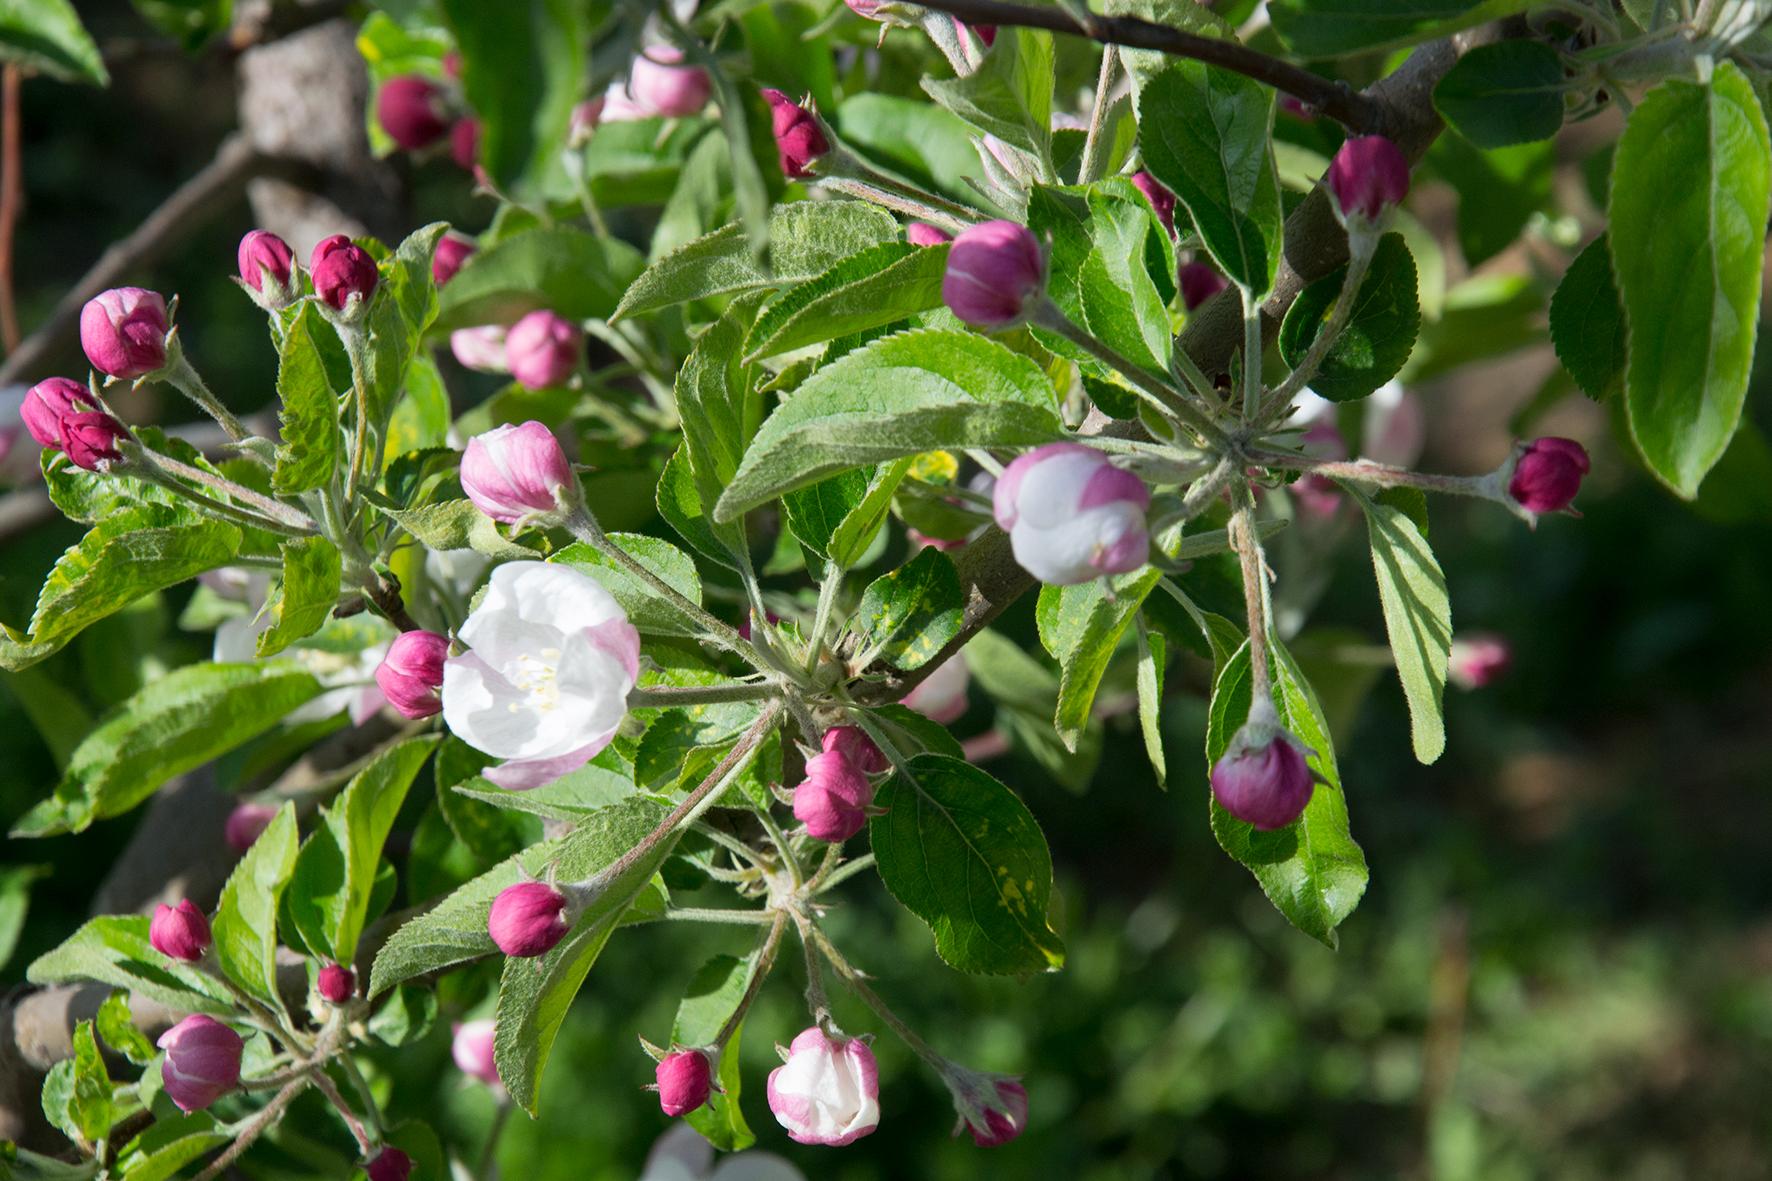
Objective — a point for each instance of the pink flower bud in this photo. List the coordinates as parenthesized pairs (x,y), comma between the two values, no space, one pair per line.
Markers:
(517,471)
(542,350)
(91,439)
(246,822)
(472,1049)
(264,256)
(202,1061)
(336,983)
(453,250)
(411,674)
(527,919)
(1478,660)
(1199,282)
(1071,515)
(660,84)
(179,932)
(389,1165)
(1547,474)
(585,117)
(799,140)
(464,144)
(833,799)
(985,33)
(342,271)
(685,1080)
(921,233)
(941,696)
(995,274)
(995,1112)
(853,744)
(1367,177)
(1266,784)
(1161,199)
(412,110)
(481,349)
(124,332)
(828,1090)
(47,403)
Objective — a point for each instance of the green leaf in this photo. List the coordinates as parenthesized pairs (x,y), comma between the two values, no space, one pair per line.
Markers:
(900,396)
(1311,870)
(305,596)
(1380,332)
(15,900)
(721,408)
(1152,657)
(908,616)
(879,286)
(916,140)
(114,950)
(1688,257)
(245,925)
(1204,133)
(1587,323)
(964,854)
(522,70)
(406,1016)
(647,610)
(1082,626)
(457,524)
(713,996)
(1330,28)
(1010,94)
(116,1026)
(1025,690)
(680,504)
(46,35)
(168,1145)
(329,897)
(840,517)
(571,272)
(1417,615)
(178,722)
(1507,93)
(308,393)
(77,1093)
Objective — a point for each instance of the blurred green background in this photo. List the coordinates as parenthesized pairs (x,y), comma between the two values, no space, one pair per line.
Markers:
(1560,970)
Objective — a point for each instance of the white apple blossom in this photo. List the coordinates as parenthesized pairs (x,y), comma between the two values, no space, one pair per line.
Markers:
(828,1090)
(1071,515)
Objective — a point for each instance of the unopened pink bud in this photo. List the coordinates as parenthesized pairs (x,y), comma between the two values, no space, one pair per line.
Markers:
(527,919)
(1000,1116)
(921,233)
(179,932)
(1367,177)
(799,140)
(1199,282)
(659,83)
(336,983)
(1547,474)
(453,250)
(412,110)
(985,33)
(995,274)
(202,1061)
(389,1165)
(264,256)
(585,118)
(246,822)
(1161,199)
(853,744)
(47,403)
(411,674)
(543,349)
(1297,108)
(517,471)
(1267,786)
(1478,660)
(464,143)
(685,1080)
(124,332)
(481,349)
(342,271)
(91,438)
(473,1050)
(832,801)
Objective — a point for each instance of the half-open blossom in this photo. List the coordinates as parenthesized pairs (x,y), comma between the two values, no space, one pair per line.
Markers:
(202,1061)
(832,801)
(528,919)
(1199,282)
(179,932)
(1161,199)
(413,111)
(390,1164)
(1263,778)
(995,273)
(941,696)
(1547,474)
(47,403)
(472,1049)
(1071,515)
(542,349)
(828,1090)
(1478,660)
(921,233)
(857,747)
(481,349)
(267,266)
(544,682)
(685,1079)
(343,272)
(798,138)
(411,674)
(1368,176)
(123,332)
(453,250)
(246,822)
(91,439)
(518,472)
(336,983)
(659,82)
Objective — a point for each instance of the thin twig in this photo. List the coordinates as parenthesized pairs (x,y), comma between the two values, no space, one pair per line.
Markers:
(267,1115)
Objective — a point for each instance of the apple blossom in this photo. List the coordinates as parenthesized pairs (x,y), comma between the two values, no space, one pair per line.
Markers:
(472,1049)
(464,144)
(542,350)
(828,1090)
(91,438)
(995,274)
(662,85)
(123,332)
(517,473)
(412,110)
(343,272)
(47,403)
(855,745)
(1071,515)
(685,1079)
(412,672)
(179,932)
(528,919)
(202,1061)
(481,349)
(1478,660)
(1395,428)
(993,1109)
(833,799)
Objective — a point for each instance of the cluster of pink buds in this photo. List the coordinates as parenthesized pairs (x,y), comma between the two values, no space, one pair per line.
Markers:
(418,113)
(834,799)
(58,413)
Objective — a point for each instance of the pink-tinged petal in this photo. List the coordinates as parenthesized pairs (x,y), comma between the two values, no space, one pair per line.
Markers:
(620,640)
(528,774)
(1110,484)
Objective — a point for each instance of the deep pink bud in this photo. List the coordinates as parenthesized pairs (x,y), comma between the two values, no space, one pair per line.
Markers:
(412,111)
(542,350)
(1368,176)
(453,250)
(798,138)
(179,932)
(1001,1118)
(1161,199)
(527,919)
(517,471)
(411,674)
(464,143)
(342,270)
(390,1165)
(853,744)
(685,1080)
(660,84)
(263,254)
(336,983)
(1267,786)
(1478,660)
(47,403)
(124,332)
(833,799)
(91,439)
(246,822)
(202,1061)
(995,273)
(472,1049)
(1547,474)
(921,233)
(1199,282)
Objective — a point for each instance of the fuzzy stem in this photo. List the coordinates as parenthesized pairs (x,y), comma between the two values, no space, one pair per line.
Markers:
(1248,544)
(767,948)
(1361,245)
(859,987)
(846,871)
(254,1127)
(668,696)
(1090,169)
(714,914)
(183,375)
(1365,471)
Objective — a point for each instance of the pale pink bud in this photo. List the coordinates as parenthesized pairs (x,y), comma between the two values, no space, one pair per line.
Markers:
(542,350)
(336,983)
(412,110)
(47,403)
(995,274)
(481,349)
(921,233)
(389,1165)
(124,332)
(1199,282)
(472,1049)
(1367,177)
(659,83)
(1478,660)
(1071,515)
(517,471)
(453,250)
(799,140)
(179,932)
(527,919)
(1547,474)
(853,744)
(941,696)
(1266,784)
(685,1080)
(91,438)
(264,256)
(342,271)
(202,1061)
(828,1090)
(411,674)
(246,822)
(1161,199)
(832,801)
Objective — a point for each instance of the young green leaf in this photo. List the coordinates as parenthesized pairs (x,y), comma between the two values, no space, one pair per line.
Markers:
(77,1093)
(167,1145)
(1507,93)
(1010,95)
(908,616)
(47,35)
(311,372)
(1587,323)
(1152,656)
(1082,626)
(1417,615)
(305,596)
(245,926)
(1380,332)
(879,286)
